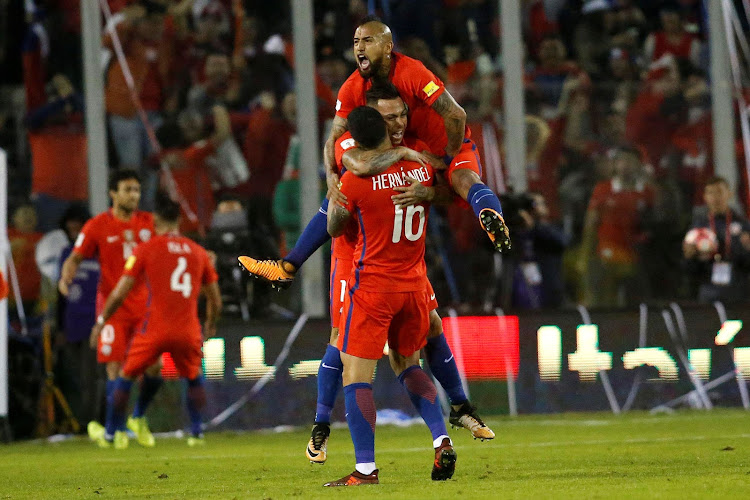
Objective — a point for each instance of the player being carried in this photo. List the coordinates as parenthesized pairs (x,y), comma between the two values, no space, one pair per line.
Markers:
(435,118)
(387,299)
(112,236)
(177,270)
(385,98)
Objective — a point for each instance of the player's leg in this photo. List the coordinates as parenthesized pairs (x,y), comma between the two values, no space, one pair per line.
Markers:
(187,356)
(464,177)
(361,341)
(329,381)
(281,272)
(407,336)
(150,383)
(111,349)
(329,372)
(360,415)
(443,366)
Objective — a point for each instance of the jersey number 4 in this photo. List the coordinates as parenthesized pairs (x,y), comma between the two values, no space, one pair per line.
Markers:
(408,229)
(180,280)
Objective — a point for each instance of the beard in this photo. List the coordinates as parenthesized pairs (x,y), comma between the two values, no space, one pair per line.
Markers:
(372,71)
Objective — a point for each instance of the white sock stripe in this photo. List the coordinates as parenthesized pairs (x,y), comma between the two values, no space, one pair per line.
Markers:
(481,191)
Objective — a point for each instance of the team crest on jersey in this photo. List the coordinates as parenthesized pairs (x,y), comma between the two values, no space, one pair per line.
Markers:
(128,235)
(430,88)
(144,234)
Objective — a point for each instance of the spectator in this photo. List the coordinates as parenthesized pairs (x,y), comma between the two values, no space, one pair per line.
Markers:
(23,237)
(613,230)
(721,272)
(546,81)
(76,365)
(538,277)
(58,148)
(148,52)
(220,86)
(672,39)
(189,167)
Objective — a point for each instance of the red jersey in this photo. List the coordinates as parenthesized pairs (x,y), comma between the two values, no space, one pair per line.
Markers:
(419,88)
(343,246)
(620,215)
(389,256)
(175,268)
(113,241)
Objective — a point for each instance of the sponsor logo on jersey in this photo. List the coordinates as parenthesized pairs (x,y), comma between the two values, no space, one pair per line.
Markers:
(430,88)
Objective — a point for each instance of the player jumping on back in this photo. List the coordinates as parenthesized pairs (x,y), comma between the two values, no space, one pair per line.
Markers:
(385,98)
(177,270)
(435,118)
(112,236)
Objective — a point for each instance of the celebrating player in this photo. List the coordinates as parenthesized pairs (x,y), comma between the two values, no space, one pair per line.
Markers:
(385,98)
(435,118)
(387,299)
(113,236)
(177,271)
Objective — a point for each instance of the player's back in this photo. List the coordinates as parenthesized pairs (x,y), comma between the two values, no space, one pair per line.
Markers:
(175,269)
(389,256)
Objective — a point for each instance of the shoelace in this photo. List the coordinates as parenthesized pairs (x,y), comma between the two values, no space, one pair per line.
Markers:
(318,439)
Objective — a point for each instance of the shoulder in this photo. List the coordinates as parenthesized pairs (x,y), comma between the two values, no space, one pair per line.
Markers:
(354,81)
(346,141)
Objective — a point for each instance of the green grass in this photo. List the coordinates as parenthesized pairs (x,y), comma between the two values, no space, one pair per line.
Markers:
(684,455)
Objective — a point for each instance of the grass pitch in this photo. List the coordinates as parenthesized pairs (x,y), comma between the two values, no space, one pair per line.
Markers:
(684,455)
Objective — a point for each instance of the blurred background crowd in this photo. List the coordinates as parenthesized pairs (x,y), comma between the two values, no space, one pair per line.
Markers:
(619,159)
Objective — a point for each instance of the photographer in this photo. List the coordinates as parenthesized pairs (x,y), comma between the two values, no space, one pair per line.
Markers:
(538,245)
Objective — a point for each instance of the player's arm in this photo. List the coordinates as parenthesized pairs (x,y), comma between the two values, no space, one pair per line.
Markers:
(68,272)
(372,162)
(213,308)
(454,117)
(338,218)
(113,303)
(329,160)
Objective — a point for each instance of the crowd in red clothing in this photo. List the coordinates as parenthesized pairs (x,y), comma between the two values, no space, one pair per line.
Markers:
(618,120)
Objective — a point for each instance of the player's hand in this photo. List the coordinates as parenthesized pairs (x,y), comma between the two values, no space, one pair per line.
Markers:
(334,192)
(412,194)
(94,337)
(209,330)
(411,155)
(66,279)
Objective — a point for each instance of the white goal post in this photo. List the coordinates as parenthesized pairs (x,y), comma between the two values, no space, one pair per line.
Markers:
(4,250)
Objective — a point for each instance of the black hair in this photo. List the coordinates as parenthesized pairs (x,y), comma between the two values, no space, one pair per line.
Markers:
(77,212)
(371,19)
(165,208)
(366,126)
(119,175)
(382,90)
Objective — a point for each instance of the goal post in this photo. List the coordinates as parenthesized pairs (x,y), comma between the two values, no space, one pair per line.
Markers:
(4,249)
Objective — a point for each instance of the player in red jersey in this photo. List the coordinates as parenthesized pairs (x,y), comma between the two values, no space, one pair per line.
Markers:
(386,299)
(112,236)
(177,271)
(435,118)
(386,99)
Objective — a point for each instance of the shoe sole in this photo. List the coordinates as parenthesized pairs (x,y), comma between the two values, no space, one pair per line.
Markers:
(447,462)
(277,284)
(494,226)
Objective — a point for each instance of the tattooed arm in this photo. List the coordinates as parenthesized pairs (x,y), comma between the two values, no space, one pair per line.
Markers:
(329,160)
(372,162)
(455,121)
(338,217)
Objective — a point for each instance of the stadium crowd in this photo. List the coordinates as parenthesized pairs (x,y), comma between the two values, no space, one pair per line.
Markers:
(619,153)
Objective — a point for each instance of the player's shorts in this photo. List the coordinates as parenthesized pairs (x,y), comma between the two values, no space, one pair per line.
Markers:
(372,318)
(467,158)
(116,337)
(146,349)
(432,302)
(341,269)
